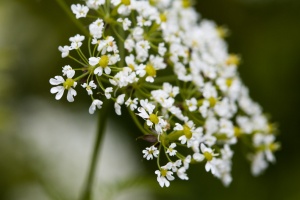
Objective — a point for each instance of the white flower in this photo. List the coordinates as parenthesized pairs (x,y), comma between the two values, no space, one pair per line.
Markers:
(267,145)
(76,41)
(142,50)
(130,61)
(203,109)
(132,103)
(209,91)
(96,28)
(162,98)
(118,103)
(182,72)
(143,22)
(94,4)
(181,173)
(192,104)
(147,106)
(162,49)
(125,22)
(225,108)
(107,45)
(95,104)
(138,33)
(259,164)
(68,71)
(164,176)
(187,161)
(79,10)
(108,91)
(103,62)
(155,63)
(124,77)
(89,87)
(170,90)
(211,125)
(150,152)
(171,151)
(189,132)
(210,157)
(115,2)
(176,165)
(146,112)
(124,10)
(64,51)
(129,44)
(67,84)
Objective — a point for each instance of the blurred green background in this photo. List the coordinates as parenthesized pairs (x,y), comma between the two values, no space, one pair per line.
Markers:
(34,147)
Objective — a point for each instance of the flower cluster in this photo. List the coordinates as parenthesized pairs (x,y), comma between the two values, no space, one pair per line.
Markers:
(173,73)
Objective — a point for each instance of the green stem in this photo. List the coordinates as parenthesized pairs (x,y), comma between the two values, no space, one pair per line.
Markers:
(87,190)
(83,64)
(136,121)
(81,76)
(168,78)
(65,7)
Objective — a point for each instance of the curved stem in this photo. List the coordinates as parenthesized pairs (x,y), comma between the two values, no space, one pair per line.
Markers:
(87,190)
(136,121)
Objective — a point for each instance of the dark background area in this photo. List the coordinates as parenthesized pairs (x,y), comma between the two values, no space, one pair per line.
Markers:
(266,33)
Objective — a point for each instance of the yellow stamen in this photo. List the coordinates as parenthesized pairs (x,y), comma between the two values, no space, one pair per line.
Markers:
(163,17)
(233,59)
(126,2)
(222,32)
(229,82)
(154,119)
(208,156)
(150,70)
(104,60)
(68,83)
(186,3)
(212,101)
(187,131)
(163,172)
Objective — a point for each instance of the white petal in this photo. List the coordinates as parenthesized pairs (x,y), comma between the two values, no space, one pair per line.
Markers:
(118,109)
(93,61)
(56,89)
(120,99)
(150,79)
(107,70)
(198,157)
(70,95)
(98,71)
(92,109)
(59,94)
(70,73)
(143,113)
(57,80)
(208,167)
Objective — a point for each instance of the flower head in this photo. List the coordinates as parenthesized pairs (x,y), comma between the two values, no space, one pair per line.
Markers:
(67,84)
(79,10)
(164,176)
(150,152)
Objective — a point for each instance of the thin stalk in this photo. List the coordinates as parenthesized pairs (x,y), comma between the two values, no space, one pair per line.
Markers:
(65,7)
(81,76)
(87,190)
(84,64)
(168,78)
(136,121)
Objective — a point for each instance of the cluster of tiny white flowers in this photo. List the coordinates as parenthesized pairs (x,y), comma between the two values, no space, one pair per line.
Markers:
(177,80)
